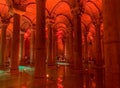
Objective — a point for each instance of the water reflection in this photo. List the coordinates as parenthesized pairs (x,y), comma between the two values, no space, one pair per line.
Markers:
(61,74)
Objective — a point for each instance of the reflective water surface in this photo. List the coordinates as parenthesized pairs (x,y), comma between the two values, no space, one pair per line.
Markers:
(61,76)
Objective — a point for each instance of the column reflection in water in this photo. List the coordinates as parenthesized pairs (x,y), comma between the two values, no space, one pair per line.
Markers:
(61,74)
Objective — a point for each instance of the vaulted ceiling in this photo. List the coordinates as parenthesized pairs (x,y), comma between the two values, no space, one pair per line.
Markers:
(59,11)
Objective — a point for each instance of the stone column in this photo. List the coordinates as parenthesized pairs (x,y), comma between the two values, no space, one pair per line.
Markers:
(99,60)
(32,47)
(77,40)
(86,59)
(54,50)
(15,44)
(86,46)
(66,46)
(78,65)
(40,64)
(50,42)
(71,46)
(21,47)
(111,16)
(3,46)
(7,50)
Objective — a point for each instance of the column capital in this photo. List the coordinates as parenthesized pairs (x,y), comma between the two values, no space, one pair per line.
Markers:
(50,21)
(3,26)
(75,10)
(5,20)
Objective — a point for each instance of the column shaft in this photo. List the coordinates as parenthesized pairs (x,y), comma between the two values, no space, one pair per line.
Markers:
(3,46)
(111,15)
(15,44)
(50,47)
(32,47)
(77,43)
(40,64)
(21,48)
(40,40)
(71,47)
(99,61)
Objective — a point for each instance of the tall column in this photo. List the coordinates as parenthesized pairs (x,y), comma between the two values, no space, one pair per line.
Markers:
(68,43)
(15,44)
(3,46)
(71,46)
(21,47)
(111,16)
(86,46)
(99,65)
(50,42)
(40,64)
(86,59)
(7,50)
(54,46)
(67,46)
(32,47)
(77,40)
(78,66)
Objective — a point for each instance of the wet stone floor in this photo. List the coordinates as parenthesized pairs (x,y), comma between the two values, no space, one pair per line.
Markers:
(60,77)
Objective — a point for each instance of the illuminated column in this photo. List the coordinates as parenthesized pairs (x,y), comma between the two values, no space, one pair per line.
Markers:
(21,47)
(54,49)
(86,46)
(111,22)
(71,46)
(99,60)
(67,55)
(7,50)
(40,64)
(32,47)
(50,47)
(15,44)
(77,45)
(77,40)
(3,46)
